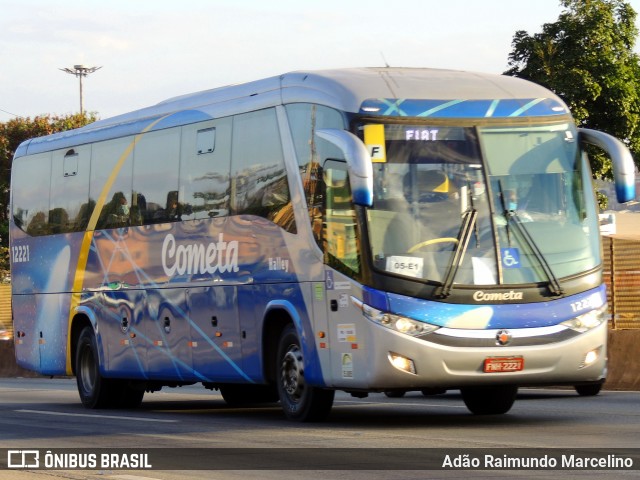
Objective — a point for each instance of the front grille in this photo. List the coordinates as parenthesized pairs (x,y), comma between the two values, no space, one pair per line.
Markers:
(487,338)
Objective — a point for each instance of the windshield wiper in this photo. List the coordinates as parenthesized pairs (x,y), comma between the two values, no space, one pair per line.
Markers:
(468,226)
(554,284)
(510,215)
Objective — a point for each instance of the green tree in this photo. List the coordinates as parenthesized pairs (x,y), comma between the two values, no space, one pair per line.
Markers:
(12,134)
(586,57)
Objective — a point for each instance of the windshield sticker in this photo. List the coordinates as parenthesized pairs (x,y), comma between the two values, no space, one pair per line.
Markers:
(484,271)
(374,140)
(510,257)
(408,266)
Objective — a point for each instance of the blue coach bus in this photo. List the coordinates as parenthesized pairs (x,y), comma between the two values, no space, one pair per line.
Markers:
(364,230)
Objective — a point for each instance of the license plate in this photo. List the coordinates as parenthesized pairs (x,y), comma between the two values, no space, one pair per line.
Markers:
(503,364)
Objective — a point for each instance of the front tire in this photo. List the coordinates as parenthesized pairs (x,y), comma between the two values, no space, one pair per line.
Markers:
(301,402)
(494,400)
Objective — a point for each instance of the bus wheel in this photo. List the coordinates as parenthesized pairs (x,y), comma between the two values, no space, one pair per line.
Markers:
(588,389)
(95,390)
(300,402)
(489,400)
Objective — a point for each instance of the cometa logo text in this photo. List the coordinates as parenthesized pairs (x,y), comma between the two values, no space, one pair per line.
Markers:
(481,296)
(197,258)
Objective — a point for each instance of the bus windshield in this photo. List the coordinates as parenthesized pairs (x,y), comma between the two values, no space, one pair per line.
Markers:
(481,206)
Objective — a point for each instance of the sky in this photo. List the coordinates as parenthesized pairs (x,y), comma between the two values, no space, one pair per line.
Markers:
(151,50)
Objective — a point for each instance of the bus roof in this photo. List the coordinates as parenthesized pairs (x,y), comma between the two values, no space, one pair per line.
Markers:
(351,90)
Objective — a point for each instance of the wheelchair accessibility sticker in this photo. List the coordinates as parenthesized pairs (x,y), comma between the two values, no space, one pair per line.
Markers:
(510,257)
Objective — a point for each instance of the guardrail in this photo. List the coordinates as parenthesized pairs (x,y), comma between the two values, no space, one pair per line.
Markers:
(6,325)
(622,276)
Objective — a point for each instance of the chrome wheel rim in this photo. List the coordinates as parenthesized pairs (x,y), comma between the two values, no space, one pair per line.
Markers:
(292,373)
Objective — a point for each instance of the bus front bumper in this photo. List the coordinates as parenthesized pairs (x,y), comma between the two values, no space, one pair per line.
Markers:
(395,361)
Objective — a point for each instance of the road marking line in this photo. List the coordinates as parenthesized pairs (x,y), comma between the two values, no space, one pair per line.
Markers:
(116,417)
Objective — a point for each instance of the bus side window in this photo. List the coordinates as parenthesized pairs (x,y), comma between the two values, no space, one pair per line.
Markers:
(105,159)
(30,184)
(155,178)
(68,210)
(205,161)
(259,184)
(304,120)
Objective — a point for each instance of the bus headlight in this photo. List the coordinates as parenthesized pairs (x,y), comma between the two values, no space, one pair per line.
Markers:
(585,322)
(398,323)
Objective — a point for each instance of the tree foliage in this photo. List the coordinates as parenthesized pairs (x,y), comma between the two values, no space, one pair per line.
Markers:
(586,57)
(12,134)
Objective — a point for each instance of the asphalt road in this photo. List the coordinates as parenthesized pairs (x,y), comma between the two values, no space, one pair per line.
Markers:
(45,414)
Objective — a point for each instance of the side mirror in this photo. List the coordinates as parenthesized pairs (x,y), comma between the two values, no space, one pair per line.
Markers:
(621,159)
(358,161)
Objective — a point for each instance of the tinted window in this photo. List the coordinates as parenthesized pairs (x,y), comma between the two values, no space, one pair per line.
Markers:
(304,120)
(204,171)
(341,245)
(30,183)
(259,179)
(155,178)
(69,207)
(111,168)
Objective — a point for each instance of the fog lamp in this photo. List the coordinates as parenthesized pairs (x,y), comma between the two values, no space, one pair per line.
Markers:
(591,357)
(402,363)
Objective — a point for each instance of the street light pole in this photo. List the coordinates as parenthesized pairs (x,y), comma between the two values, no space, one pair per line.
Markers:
(80,71)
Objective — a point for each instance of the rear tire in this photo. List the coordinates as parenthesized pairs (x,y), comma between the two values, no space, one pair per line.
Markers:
(494,400)
(301,402)
(95,390)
